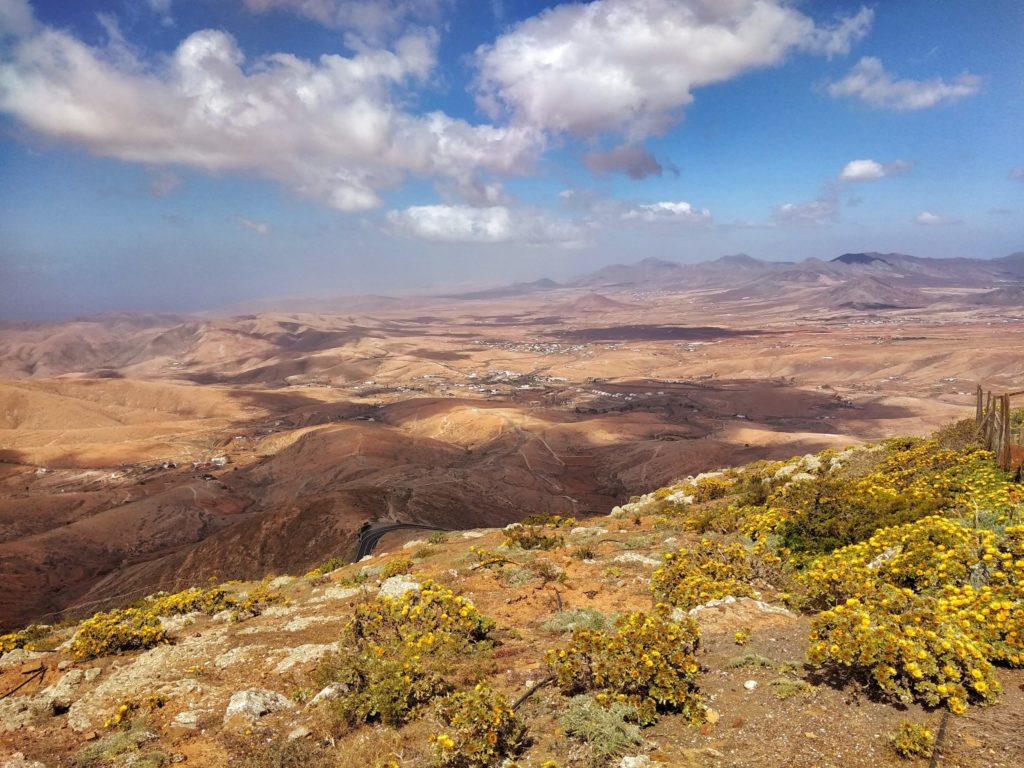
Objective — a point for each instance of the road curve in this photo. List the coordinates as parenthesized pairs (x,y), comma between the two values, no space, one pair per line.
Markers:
(369,538)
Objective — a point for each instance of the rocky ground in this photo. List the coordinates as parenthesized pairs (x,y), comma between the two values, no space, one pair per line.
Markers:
(243,692)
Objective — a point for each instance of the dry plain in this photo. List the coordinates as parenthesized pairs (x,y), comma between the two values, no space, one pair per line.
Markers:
(446,412)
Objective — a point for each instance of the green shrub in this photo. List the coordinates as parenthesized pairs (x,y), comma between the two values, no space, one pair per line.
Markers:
(608,730)
(575,618)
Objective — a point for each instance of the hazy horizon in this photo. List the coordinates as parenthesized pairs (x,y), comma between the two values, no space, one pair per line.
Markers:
(181,156)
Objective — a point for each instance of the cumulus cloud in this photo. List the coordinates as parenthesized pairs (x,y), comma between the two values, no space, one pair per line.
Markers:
(929,219)
(331,129)
(261,228)
(868,170)
(494,224)
(1016,174)
(815,213)
(630,159)
(668,212)
(630,66)
(869,82)
(371,20)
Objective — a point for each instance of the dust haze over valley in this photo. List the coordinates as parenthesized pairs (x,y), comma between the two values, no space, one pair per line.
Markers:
(140,453)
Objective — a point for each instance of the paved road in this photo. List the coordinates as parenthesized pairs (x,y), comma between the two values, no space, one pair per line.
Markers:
(368,539)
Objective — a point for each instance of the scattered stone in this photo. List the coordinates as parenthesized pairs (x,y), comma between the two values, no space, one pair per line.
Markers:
(471,534)
(329,693)
(414,543)
(300,732)
(634,761)
(281,581)
(18,760)
(188,720)
(18,656)
(235,656)
(749,602)
(225,615)
(15,713)
(636,557)
(303,654)
(174,624)
(303,622)
(254,703)
(336,593)
(750,685)
(397,586)
(92,673)
(59,697)
(279,611)
(65,664)
(711,716)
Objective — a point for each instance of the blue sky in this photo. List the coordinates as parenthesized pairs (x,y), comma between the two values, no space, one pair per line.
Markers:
(177,155)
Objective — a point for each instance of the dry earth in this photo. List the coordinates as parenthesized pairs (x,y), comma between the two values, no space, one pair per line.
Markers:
(448,413)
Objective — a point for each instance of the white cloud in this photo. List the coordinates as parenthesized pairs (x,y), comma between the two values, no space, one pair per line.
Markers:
(869,82)
(629,66)
(669,212)
(1016,174)
(630,159)
(868,170)
(929,219)
(815,213)
(371,20)
(16,18)
(495,224)
(331,130)
(261,228)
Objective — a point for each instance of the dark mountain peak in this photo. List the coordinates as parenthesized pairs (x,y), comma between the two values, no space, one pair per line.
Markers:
(859,258)
(653,261)
(738,260)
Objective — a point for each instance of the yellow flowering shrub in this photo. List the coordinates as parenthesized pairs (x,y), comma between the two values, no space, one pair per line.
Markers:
(481,729)
(395,652)
(129,708)
(117,631)
(711,488)
(212,600)
(396,567)
(689,578)
(898,645)
(425,617)
(537,532)
(647,661)
(993,615)
(912,740)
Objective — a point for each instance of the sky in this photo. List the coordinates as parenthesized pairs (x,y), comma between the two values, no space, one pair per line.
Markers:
(186,155)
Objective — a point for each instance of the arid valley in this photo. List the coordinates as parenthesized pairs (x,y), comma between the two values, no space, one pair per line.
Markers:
(143,453)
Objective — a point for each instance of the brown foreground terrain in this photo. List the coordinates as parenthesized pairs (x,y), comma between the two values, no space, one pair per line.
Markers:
(139,453)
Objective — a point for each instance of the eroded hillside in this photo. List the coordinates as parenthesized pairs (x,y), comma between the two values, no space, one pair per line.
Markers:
(829,609)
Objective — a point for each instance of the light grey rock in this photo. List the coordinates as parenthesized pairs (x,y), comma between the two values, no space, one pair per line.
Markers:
(303,654)
(60,696)
(187,720)
(336,593)
(397,586)
(636,557)
(329,693)
(254,703)
(299,732)
(414,543)
(281,581)
(472,534)
(750,685)
(18,760)
(174,624)
(19,656)
(15,713)
(237,656)
(634,761)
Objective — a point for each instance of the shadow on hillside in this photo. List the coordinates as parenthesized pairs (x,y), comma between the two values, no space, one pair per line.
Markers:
(655,333)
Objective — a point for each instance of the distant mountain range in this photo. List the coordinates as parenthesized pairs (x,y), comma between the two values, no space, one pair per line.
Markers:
(860,281)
